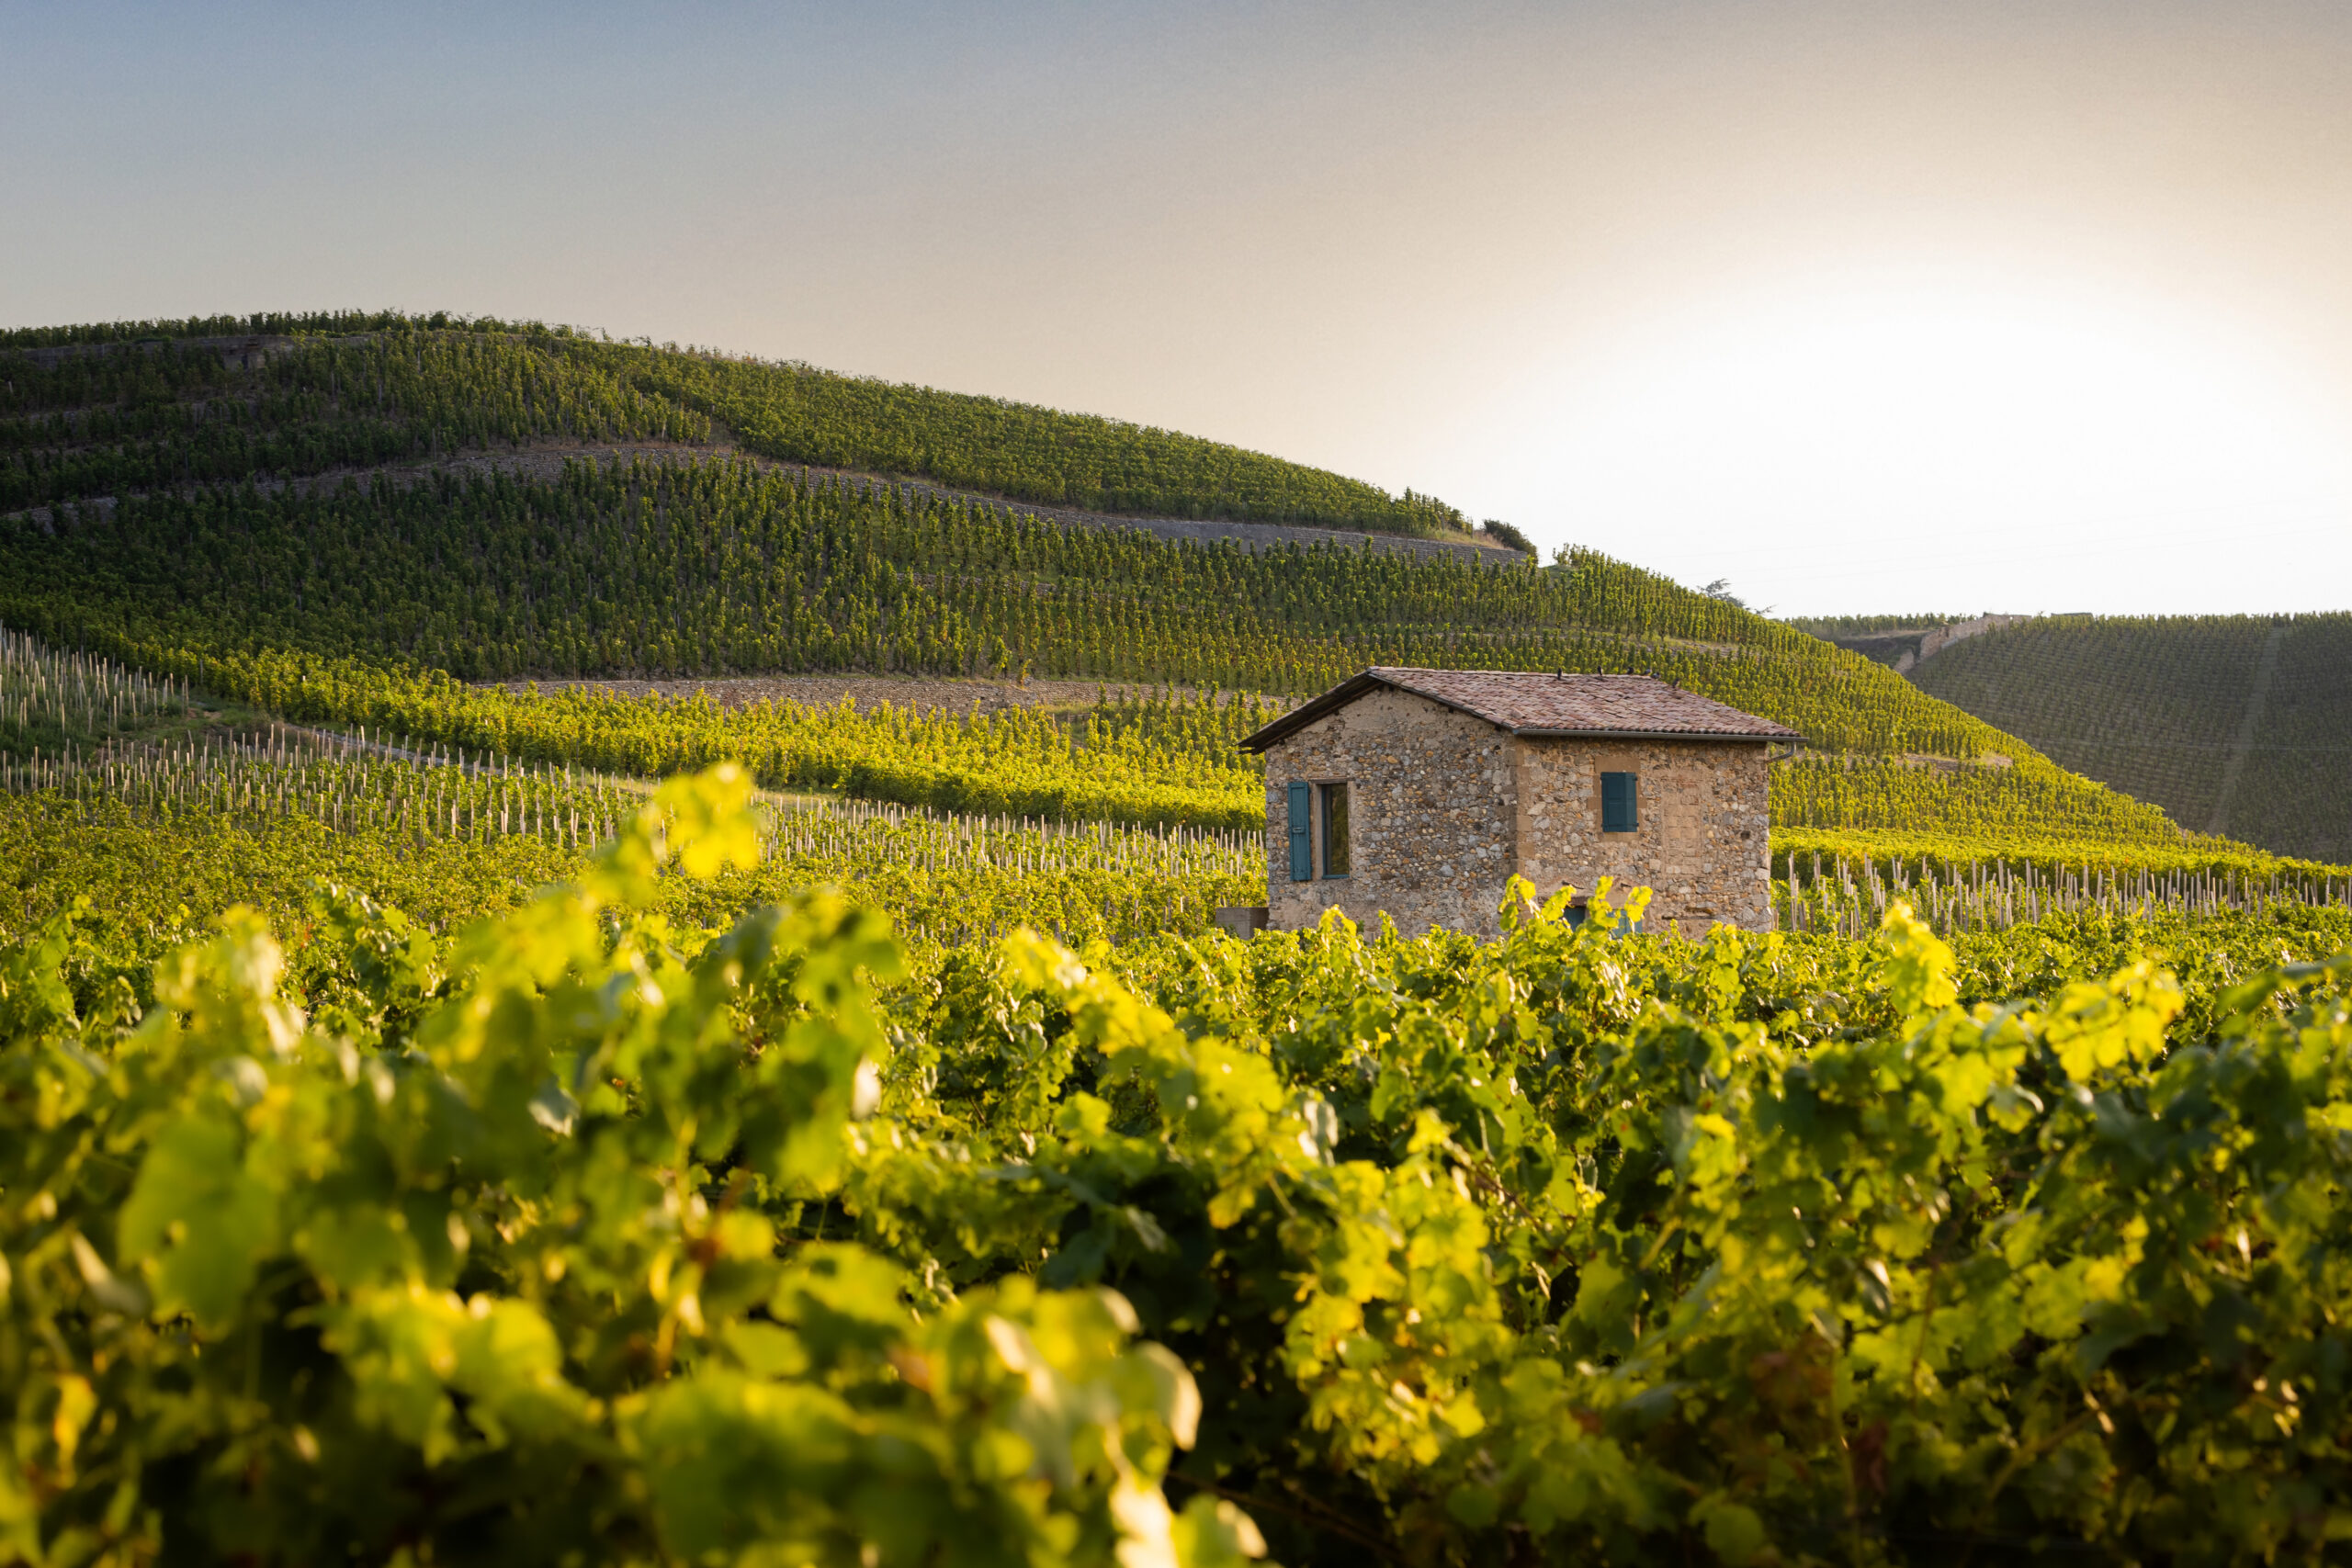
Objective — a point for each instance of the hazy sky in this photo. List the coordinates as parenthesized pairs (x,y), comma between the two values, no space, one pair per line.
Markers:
(1866,307)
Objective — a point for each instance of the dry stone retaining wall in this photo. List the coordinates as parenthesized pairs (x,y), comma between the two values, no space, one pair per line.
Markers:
(1936,641)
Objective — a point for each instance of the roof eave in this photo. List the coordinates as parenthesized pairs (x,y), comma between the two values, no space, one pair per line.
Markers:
(1533,733)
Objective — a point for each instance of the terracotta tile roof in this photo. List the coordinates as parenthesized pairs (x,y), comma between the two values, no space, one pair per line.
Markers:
(1533,703)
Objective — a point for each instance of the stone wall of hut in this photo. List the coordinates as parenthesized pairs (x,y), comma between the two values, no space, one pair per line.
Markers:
(1445,808)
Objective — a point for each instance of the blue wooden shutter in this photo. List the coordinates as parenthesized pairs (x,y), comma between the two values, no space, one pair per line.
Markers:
(1302,847)
(1619,812)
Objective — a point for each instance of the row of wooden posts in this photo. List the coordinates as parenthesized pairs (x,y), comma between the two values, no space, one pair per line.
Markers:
(1850,898)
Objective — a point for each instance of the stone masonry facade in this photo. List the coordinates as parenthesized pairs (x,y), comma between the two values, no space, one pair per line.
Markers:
(1445,807)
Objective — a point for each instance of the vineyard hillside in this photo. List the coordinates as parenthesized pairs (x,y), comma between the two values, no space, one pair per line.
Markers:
(393,521)
(573,992)
(2234,725)
(102,411)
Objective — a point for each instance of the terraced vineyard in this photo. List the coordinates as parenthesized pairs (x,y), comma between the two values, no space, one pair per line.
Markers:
(2234,725)
(483,539)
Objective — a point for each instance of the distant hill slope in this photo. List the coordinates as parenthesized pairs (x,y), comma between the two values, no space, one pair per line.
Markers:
(2234,724)
(673,563)
(96,411)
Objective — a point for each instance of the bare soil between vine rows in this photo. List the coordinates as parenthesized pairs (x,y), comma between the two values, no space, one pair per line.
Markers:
(544,459)
(923,693)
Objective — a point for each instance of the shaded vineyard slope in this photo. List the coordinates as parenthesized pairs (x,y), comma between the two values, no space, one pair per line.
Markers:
(2234,724)
(104,409)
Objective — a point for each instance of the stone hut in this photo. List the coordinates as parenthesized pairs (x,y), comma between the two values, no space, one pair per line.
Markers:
(1419,793)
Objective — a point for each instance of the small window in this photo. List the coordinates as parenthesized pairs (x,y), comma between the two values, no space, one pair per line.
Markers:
(1620,810)
(1335,829)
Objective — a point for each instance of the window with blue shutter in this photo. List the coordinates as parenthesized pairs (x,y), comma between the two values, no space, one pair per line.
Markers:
(1619,811)
(1302,827)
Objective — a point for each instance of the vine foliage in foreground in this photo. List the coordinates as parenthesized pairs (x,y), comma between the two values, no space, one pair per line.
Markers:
(571,1238)
(480,1263)
(1567,1249)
